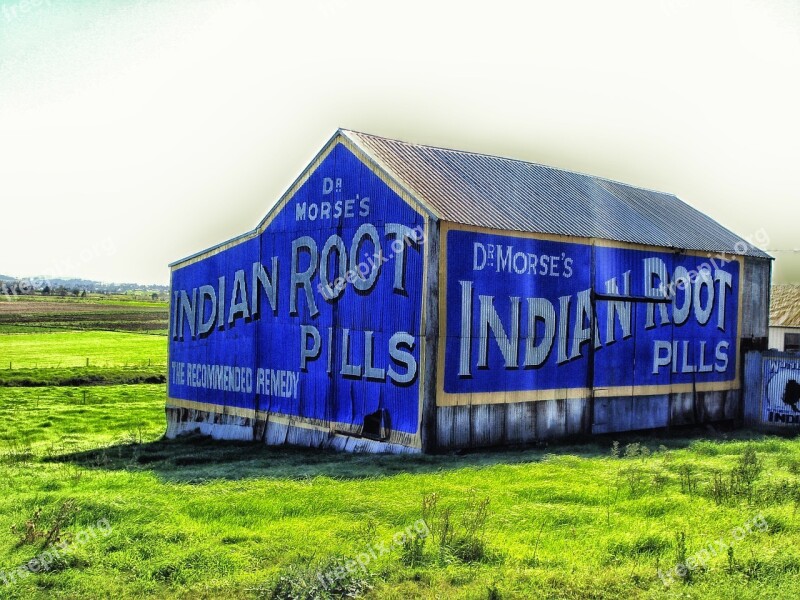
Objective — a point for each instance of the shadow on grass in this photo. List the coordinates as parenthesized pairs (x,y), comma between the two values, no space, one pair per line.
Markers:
(197,459)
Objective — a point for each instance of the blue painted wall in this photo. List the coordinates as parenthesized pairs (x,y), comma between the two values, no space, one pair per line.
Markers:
(305,344)
(496,282)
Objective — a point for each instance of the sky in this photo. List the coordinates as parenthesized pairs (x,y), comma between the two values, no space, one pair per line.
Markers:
(135,133)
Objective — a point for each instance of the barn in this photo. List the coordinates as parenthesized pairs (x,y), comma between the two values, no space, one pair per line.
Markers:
(407,298)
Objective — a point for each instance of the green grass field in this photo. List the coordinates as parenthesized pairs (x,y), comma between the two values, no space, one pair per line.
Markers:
(86,466)
(75,348)
(81,358)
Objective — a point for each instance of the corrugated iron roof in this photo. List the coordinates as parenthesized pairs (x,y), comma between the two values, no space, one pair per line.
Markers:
(503,193)
(784,307)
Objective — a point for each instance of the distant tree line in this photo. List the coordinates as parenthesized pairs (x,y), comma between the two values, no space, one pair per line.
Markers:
(79,288)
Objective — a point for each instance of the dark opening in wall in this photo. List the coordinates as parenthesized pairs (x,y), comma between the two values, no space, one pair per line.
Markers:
(791,342)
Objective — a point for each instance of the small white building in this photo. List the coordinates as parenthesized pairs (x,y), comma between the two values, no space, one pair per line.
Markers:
(784,318)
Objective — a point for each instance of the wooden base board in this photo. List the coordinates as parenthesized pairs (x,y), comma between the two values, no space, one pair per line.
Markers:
(273,432)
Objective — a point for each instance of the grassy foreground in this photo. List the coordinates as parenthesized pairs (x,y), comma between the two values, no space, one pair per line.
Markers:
(201,519)
(98,505)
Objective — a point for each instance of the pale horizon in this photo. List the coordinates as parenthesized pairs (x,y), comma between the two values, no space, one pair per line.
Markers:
(134,134)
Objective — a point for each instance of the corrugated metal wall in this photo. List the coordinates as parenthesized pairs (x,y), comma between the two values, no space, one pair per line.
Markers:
(473,424)
(321,308)
(755,299)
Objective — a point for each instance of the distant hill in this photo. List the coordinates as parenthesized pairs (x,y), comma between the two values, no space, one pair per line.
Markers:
(101,286)
(75,283)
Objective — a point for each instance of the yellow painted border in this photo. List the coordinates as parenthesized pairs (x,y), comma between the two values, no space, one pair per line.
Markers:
(461,399)
(421,209)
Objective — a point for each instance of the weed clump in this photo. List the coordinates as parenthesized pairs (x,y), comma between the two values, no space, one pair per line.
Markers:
(739,483)
(329,580)
(48,531)
(461,537)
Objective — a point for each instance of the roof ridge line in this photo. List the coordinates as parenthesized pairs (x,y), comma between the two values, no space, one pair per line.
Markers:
(508,158)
